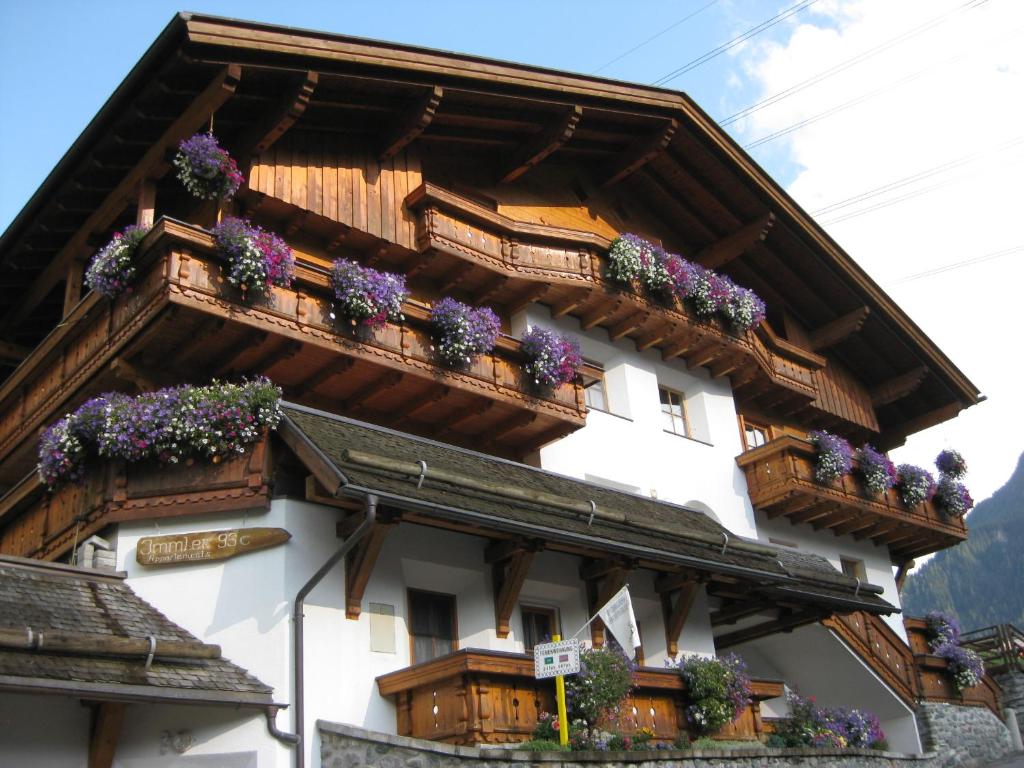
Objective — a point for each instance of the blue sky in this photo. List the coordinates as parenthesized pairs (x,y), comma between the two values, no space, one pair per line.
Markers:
(923,131)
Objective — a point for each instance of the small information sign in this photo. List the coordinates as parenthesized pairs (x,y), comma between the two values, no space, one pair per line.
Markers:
(554,659)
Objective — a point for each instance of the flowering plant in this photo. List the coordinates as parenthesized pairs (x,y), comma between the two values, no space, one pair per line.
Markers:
(170,424)
(596,693)
(943,633)
(878,472)
(838,727)
(462,332)
(942,629)
(951,463)
(366,296)
(718,690)
(546,728)
(632,258)
(835,456)
(551,358)
(112,269)
(952,496)
(207,170)
(915,484)
(258,258)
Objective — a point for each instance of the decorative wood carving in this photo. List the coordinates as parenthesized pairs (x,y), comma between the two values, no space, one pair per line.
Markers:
(543,145)
(187,548)
(639,155)
(898,387)
(291,109)
(415,123)
(839,329)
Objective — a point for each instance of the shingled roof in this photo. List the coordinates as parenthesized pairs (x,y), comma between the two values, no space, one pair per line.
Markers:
(465,486)
(71,630)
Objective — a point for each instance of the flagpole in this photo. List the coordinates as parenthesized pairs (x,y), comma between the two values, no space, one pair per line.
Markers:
(563,717)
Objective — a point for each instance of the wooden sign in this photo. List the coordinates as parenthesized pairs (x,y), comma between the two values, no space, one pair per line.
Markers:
(206,545)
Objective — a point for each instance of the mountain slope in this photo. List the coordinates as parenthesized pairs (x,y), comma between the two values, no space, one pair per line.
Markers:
(982,580)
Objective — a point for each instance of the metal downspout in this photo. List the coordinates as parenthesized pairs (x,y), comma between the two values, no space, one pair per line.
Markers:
(297,616)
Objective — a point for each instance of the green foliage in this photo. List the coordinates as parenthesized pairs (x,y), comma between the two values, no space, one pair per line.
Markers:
(717,690)
(980,580)
(546,728)
(597,692)
(775,741)
(682,740)
(541,745)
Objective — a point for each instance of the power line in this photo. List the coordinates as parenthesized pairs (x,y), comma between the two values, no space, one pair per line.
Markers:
(652,38)
(844,65)
(959,264)
(718,51)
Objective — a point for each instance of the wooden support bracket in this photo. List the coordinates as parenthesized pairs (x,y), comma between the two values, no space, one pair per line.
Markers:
(290,110)
(839,329)
(603,579)
(718,254)
(414,124)
(107,719)
(676,611)
(543,145)
(510,562)
(898,387)
(639,155)
(359,565)
(521,301)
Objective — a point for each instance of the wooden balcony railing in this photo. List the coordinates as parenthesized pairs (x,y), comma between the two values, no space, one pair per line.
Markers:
(45,526)
(185,322)
(477,696)
(883,650)
(1000,646)
(780,480)
(936,684)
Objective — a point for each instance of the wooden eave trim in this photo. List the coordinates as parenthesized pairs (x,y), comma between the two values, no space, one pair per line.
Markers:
(128,693)
(429,193)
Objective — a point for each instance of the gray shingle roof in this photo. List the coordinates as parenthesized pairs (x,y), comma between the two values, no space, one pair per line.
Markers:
(46,597)
(654,530)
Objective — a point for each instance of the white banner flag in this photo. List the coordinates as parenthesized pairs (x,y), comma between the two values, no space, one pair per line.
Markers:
(618,618)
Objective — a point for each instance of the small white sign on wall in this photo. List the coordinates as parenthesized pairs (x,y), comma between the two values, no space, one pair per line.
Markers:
(554,659)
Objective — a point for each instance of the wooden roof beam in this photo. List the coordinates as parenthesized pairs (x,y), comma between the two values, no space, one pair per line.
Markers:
(739,242)
(488,290)
(527,297)
(451,279)
(509,568)
(898,387)
(892,438)
(600,314)
(422,402)
(467,414)
(359,565)
(839,329)
(546,143)
(10,351)
(638,155)
(153,164)
(372,388)
(415,123)
(570,302)
(105,733)
(675,613)
(735,612)
(784,623)
(630,324)
(293,106)
(322,375)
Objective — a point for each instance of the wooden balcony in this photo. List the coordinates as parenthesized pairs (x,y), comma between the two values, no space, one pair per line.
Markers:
(45,526)
(477,696)
(935,681)
(185,323)
(780,480)
(882,649)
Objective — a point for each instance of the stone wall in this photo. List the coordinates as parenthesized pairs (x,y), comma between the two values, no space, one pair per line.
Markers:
(962,736)
(1012,683)
(346,746)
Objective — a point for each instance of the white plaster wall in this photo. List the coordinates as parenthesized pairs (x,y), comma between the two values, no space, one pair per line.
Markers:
(636,450)
(43,731)
(876,558)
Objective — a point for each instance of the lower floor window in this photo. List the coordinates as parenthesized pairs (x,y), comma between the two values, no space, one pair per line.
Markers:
(539,625)
(431,625)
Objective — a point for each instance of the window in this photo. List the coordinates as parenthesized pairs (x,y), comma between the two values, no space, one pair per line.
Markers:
(754,434)
(539,624)
(853,568)
(431,625)
(673,412)
(595,396)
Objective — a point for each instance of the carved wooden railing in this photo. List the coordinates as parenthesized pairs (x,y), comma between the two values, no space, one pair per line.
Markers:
(936,684)
(46,525)
(180,272)
(780,480)
(478,696)
(882,649)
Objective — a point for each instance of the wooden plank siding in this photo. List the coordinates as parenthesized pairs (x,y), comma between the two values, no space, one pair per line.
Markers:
(322,175)
(840,393)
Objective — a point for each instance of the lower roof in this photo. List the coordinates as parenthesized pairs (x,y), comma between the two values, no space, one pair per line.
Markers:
(353,458)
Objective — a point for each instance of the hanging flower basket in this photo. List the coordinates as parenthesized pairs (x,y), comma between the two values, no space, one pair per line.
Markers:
(951,463)
(915,484)
(207,170)
(170,424)
(112,271)
(365,296)
(551,358)
(835,456)
(876,471)
(258,259)
(952,497)
(966,668)
(462,332)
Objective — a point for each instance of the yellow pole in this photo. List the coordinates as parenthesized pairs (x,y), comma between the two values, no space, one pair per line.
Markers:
(563,717)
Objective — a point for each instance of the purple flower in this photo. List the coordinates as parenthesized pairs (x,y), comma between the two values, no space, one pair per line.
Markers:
(111,271)
(366,296)
(915,484)
(717,689)
(878,472)
(207,170)
(952,496)
(551,358)
(462,332)
(258,258)
(835,456)
(951,463)
(743,309)
(942,629)
(966,667)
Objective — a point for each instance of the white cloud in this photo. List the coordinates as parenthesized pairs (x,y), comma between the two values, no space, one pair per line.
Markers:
(947,109)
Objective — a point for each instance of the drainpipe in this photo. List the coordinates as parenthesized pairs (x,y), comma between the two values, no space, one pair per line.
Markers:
(288,739)
(297,628)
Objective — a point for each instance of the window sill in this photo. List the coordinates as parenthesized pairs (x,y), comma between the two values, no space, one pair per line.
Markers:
(687,437)
(609,413)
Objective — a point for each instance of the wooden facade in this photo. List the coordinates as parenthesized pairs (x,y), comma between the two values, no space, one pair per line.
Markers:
(475,697)
(780,480)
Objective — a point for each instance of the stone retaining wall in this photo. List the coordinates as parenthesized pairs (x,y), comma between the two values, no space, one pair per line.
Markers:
(962,736)
(1012,683)
(346,746)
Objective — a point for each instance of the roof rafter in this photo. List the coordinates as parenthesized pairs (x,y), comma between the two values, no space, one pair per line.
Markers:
(415,123)
(546,143)
(731,246)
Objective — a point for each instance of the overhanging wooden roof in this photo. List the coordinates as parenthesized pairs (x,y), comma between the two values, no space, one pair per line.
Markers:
(633,146)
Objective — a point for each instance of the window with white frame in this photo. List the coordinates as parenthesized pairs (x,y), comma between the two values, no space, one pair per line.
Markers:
(673,412)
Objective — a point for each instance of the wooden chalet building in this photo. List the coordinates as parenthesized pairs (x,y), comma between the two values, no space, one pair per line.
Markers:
(463,515)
